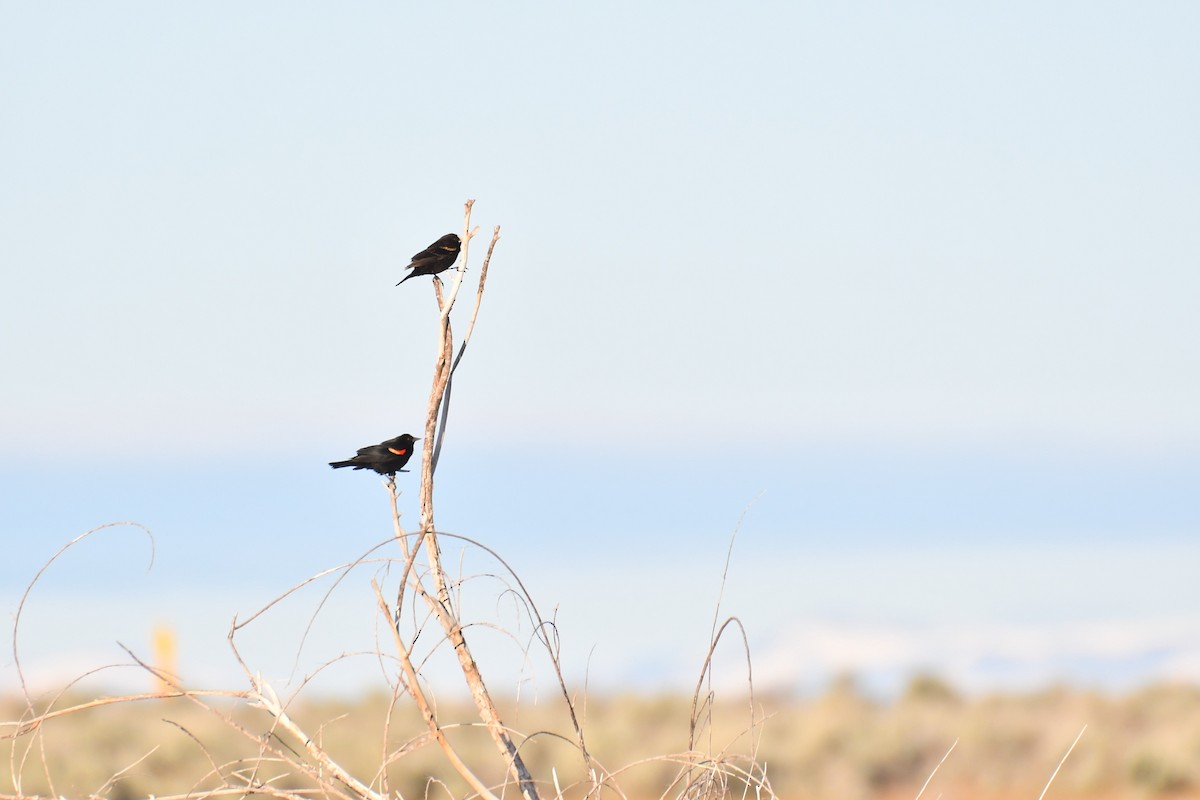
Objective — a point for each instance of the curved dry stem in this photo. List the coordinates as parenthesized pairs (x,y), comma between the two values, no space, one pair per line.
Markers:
(212,762)
(17,763)
(116,776)
(27,726)
(29,590)
(388,758)
(312,620)
(706,671)
(713,635)
(363,559)
(539,624)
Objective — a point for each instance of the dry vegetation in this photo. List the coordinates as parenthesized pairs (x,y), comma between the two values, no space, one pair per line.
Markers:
(403,742)
(839,744)
(250,740)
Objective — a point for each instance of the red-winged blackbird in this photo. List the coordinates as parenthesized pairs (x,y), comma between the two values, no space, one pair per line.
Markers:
(438,257)
(386,458)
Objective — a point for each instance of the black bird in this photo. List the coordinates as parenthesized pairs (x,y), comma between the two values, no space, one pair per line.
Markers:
(386,458)
(438,257)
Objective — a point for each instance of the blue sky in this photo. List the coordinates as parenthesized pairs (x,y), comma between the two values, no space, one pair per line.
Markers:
(924,278)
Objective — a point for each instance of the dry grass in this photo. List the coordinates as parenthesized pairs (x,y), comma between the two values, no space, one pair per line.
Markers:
(840,744)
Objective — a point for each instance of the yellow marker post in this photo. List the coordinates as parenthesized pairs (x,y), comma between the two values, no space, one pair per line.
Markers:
(165,658)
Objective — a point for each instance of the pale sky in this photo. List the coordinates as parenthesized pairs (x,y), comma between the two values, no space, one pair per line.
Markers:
(927,275)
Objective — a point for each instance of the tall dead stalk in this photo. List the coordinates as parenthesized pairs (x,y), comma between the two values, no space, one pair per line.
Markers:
(440,603)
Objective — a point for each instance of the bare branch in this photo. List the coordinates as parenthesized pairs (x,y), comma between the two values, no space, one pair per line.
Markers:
(413,685)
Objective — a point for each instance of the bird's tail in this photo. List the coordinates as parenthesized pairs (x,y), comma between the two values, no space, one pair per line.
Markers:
(340,464)
(406,277)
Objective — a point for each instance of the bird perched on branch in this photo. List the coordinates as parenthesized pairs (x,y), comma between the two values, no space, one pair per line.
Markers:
(438,257)
(386,458)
